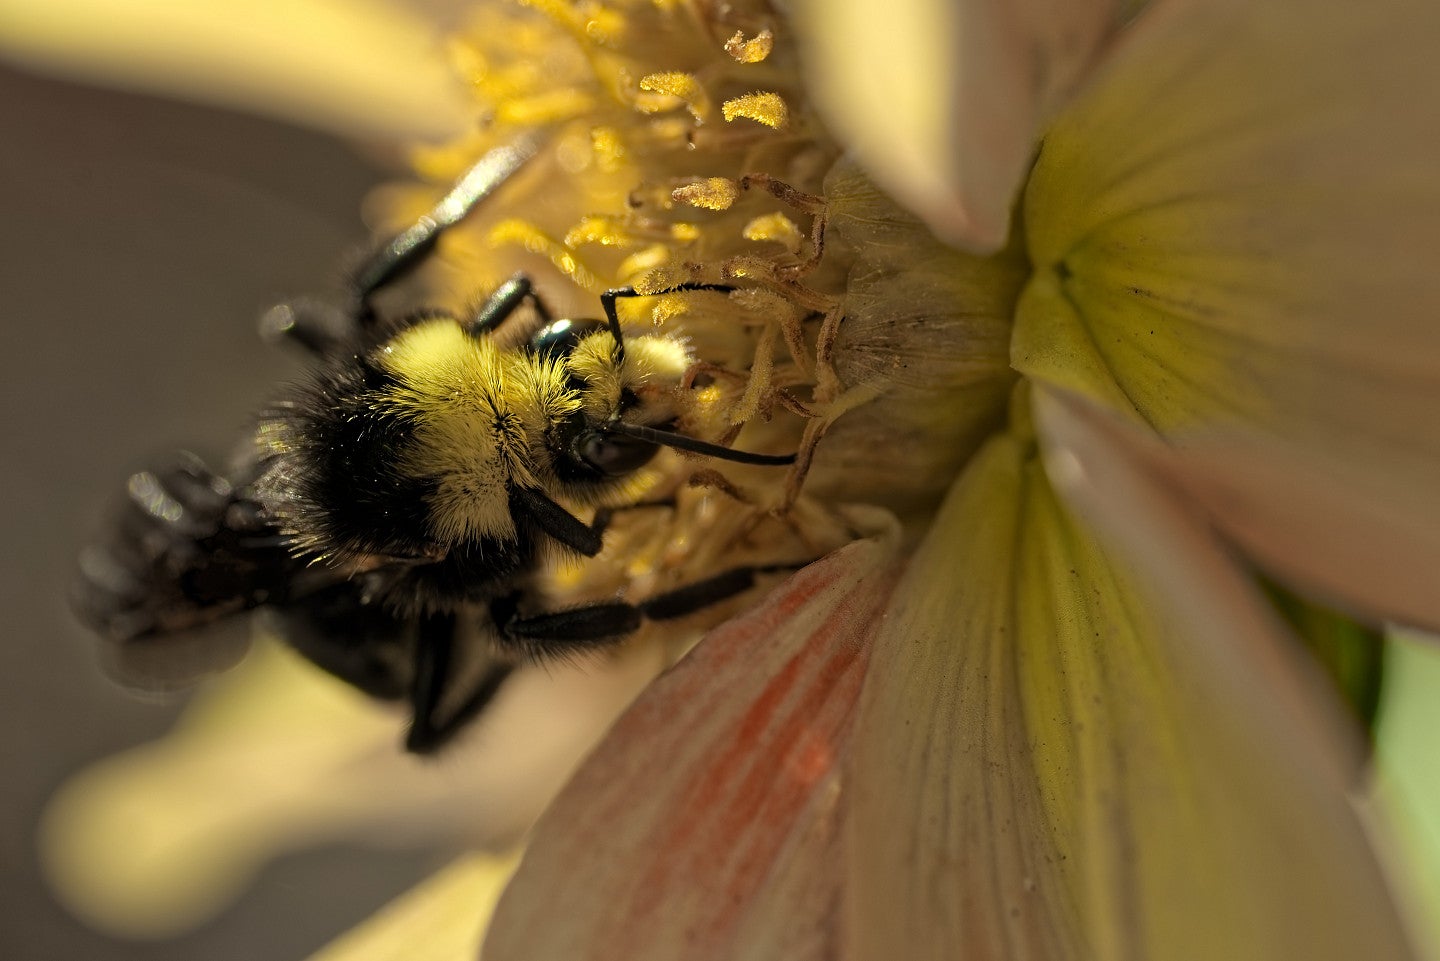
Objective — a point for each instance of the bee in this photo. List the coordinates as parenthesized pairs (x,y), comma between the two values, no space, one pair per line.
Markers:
(413,488)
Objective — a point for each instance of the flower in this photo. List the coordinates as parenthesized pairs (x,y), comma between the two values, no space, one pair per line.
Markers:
(1078,733)
(1040,709)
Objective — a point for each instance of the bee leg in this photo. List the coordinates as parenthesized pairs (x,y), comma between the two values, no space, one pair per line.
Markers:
(313,325)
(689,598)
(601,625)
(559,523)
(542,636)
(607,301)
(503,302)
(189,548)
(407,249)
(341,630)
(604,515)
(434,667)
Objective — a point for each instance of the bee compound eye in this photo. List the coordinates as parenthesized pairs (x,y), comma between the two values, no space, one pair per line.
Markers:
(614,454)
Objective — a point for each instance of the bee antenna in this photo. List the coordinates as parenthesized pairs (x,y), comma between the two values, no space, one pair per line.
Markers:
(666,438)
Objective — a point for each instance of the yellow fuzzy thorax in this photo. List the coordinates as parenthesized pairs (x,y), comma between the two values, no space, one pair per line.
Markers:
(480,416)
(485,417)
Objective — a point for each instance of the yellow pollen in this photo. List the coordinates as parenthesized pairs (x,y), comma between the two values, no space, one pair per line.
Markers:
(750,51)
(766,108)
(605,231)
(609,148)
(521,233)
(467,61)
(778,228)
(662,279)
(713,193)
(643,261)
(669,307)
(550,107)
(588,20)
(671,87)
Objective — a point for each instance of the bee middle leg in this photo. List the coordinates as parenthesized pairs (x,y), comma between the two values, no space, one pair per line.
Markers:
(604,624)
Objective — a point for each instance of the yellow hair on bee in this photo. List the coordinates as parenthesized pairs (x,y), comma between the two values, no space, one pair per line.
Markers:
(649,360)
(481,415)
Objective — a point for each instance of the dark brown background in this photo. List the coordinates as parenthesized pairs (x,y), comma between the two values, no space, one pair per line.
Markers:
(139,240)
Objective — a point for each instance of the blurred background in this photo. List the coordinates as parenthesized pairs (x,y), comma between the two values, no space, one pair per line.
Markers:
(141,239)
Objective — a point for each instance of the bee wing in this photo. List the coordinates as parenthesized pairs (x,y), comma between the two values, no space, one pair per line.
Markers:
(189,551)
(165,664)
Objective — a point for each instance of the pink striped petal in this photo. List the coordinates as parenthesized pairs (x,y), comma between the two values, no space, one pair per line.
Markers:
(706,824)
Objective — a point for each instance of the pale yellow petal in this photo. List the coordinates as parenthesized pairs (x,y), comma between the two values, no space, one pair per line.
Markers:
(357,67)
(440,920)
(278,757)
(1050,763)
(1233,231)
(943,101)
(706,824)
(1407,788)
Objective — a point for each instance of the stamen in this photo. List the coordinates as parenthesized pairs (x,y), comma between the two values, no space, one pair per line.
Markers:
(753,50)
(761,107)
(776,228)
(761,369)
(679,86)
(521,233)
(643,262)
(713,193)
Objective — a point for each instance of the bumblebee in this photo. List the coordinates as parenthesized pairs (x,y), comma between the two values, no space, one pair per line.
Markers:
(418,481)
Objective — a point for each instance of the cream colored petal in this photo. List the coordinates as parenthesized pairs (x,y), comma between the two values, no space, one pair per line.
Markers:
(278,757)
(440,920)
(943,101)
(355,67)
(705,825)
(1233,231)
(1407,787)
(1048,763)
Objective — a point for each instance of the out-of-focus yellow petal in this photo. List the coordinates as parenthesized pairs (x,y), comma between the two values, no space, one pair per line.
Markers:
(943,100)
(1233,232)
(705,826)
(1051,762)
(356,67)
(278,756)
(440,920)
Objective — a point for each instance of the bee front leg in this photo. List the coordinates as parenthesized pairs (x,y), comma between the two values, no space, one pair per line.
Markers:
(406,250)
